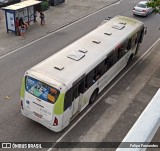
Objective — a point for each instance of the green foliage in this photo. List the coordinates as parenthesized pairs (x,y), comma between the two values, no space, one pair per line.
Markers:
(44,5)
(155,4)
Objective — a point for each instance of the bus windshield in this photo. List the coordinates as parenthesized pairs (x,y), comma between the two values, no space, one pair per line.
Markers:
(41,90)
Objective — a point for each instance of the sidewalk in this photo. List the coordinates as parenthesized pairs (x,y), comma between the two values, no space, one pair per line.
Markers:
(56,17)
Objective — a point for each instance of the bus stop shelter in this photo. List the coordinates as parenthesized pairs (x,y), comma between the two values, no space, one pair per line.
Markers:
(25,10)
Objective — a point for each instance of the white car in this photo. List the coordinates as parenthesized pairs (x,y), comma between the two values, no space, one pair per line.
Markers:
(142,9)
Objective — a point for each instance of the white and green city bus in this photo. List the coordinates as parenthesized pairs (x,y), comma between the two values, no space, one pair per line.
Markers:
(57,89)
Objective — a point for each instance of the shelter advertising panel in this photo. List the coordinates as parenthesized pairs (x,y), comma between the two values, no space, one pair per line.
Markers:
(10,21)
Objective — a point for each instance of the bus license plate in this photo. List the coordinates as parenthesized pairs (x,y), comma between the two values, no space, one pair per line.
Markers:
(38,115)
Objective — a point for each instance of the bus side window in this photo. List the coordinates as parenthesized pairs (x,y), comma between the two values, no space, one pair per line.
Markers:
(75,93)
(101,69)
(134,41)
(111,59)
(107,62)
(68,99)
(104,68)
(81,87)
(129,44)
(86,83)
(90,78)
(122,50)
(125,46)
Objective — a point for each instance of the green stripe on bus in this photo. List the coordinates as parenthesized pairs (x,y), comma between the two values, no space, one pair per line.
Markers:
(59,105)
(22,89)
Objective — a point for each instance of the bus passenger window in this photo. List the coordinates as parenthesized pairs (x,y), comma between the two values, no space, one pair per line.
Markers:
(81,87)
(86,83)
(68,99)
(120,52)
(90,78)
(107,62)
(100,69)
(134,41)
(75,93)
(112,59)
(94,78)
(129,44)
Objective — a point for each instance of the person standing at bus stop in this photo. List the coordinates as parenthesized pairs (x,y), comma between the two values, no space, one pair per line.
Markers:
(17,26)
(42,17)
(35,16)
(21,22)
(23,31)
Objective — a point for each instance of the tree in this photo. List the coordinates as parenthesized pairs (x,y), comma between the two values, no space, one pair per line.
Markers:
(155,4)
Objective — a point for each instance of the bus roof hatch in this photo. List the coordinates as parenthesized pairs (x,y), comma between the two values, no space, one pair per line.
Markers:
(118,26)
(76,55)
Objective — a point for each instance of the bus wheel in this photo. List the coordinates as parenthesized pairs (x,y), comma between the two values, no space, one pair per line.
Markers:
(93,96)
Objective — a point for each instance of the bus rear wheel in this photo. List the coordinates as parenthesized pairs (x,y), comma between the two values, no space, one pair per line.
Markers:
(93,96)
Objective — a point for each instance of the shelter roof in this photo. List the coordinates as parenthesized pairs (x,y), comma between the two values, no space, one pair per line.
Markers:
(21,5)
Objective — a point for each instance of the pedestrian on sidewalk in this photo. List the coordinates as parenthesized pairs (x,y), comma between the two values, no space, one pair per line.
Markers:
(35,16)
(22,23)
(42,17)
(17,26)
(23,31)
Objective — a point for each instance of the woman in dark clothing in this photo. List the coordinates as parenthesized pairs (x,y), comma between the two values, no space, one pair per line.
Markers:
(42,18)
(21,23)
(17,26)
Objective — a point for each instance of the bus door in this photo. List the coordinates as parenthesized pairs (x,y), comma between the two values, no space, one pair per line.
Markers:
(77,95)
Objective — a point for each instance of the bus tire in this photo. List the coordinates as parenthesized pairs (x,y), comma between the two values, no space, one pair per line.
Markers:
(93,96)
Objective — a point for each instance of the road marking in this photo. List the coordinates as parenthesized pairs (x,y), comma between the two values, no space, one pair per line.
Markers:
(143,57)
(59,29)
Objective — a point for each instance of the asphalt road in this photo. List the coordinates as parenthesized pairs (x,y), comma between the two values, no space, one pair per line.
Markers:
(102,118)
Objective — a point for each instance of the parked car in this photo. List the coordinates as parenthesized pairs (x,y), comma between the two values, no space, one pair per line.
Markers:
(4,3)
(142,9)
(56,2)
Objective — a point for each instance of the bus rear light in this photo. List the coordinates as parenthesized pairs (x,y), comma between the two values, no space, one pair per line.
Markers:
(55,123)
(21,104)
